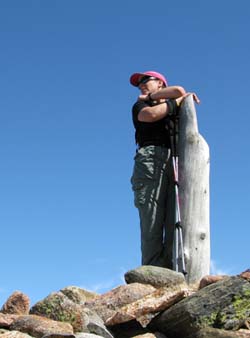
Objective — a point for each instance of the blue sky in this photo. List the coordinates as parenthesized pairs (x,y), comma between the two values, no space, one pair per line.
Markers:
(67,140)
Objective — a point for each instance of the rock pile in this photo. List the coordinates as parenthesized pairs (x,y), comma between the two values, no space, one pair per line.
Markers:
(155,303)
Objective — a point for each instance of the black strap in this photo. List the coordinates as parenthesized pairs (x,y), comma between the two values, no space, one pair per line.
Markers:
(172,124)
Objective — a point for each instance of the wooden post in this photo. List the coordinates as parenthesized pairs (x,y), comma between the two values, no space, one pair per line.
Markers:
(194,193)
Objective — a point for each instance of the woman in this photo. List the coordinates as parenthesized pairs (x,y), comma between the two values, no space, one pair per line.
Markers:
(152,179)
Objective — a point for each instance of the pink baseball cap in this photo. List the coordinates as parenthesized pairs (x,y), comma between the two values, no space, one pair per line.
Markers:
(134,79)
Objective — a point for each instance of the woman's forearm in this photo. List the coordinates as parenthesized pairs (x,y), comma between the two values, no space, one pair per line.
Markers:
(172,92)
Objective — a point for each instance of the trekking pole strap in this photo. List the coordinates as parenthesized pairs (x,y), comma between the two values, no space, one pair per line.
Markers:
(178,225)
(172,124)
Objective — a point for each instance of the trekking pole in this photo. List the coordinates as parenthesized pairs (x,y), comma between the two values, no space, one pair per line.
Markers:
(178,236)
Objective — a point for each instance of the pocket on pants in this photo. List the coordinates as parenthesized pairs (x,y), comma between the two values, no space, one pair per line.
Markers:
(139,189)
(144,167)
(144,173)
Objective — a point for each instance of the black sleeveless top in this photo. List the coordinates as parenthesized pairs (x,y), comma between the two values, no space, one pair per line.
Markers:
(152,133)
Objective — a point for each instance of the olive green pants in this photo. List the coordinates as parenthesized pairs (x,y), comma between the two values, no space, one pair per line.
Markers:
(154,196)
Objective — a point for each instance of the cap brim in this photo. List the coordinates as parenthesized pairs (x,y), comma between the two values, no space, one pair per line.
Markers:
(134,79)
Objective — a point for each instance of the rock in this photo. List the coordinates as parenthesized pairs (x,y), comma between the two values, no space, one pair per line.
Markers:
(207,280)
(87,335)
(151,335)
(217,333)
(224,305)
(18,303)
(128,329)
(243,333)
(159,335)
(60,308)
(59,335)
(2,331)
(14,334)
(245,274)
(235,315)
(107,304)
(146,308)
(155,276)
(96,325)
(38,327)
(6,320)
(218,307)
(78,295)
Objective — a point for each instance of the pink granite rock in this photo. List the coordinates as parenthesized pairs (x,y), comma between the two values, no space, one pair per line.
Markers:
(107,304)
(210,279)
(18,303)
(146,308)
(14,334)
(38,327)
(6,320)
(245,274)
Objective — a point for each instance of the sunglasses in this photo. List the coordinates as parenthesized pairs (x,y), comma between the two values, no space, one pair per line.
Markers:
(145,79)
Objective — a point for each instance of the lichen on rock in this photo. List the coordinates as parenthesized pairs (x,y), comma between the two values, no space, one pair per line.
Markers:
(58,307)
(237,314)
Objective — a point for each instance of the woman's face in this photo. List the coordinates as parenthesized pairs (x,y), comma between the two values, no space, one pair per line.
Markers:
(150,86)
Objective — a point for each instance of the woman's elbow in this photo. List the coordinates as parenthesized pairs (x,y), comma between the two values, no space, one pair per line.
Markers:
(180,90)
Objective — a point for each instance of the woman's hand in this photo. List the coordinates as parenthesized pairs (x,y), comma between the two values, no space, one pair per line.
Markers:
(180,99)
(143,97)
